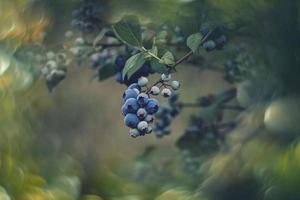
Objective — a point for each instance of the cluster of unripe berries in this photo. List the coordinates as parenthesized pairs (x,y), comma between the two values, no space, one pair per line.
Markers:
(139,108)
(215,38)
(85,17)
(144,71)
(55,69)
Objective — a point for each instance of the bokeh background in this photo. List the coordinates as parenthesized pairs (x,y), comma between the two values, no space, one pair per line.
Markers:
(72,144)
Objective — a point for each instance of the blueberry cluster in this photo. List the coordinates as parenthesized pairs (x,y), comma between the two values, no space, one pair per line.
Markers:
(85,18)
(215,38)
(139,108)
(55,69)
(165,116)
(144,71)
(240,67)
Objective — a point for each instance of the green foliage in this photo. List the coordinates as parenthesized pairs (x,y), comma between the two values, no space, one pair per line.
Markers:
(129,31)
(133,64)
(168,58)
(194,41)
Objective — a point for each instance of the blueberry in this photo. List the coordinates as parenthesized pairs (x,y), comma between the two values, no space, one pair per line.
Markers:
(149,118)
(141,113)
(89,27)
(166,92)
(209,45)
(130,106)
(143,127)
(152,106)
(166,77)
(134,86)
(131,120)
(155,90)
(120,63)
(77,24)
(119,78)
(175,85)
(149,130)
(142,81)
(129,93)
(143,99)
(134,133)
(220,42)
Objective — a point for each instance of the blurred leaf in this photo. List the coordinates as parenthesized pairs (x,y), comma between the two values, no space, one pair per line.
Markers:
(158,67)
(194,41)
(106,71)
(129,31)
(168,58)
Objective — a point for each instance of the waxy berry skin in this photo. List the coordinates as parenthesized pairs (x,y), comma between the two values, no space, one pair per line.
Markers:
(130,106)
(129,93)
(152,106)
(131,120)
(142,99)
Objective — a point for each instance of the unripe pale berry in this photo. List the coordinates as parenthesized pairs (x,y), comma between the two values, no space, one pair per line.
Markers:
(134,133)
(166,92)
(166,77)
(175,85)
(155,90)
(51,65)
(143,81)
(142,126)
(141,113)
(69,34)
(50,55)
(79,41)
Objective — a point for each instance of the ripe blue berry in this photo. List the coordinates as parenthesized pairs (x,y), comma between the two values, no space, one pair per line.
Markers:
(120,63)
(131,120)
(152,106)
(143,99)
(134,86)
(129,93)
(119,78)
(130,106)
(209,45)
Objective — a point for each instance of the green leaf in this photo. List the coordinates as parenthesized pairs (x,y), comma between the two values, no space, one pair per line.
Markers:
(161,38)
(153,51)
(129,31)
(106,71)
(133,64)
(168,58)
(194,41)
(158,67)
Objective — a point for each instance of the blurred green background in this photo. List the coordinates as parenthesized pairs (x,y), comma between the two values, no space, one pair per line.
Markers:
(71,144)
